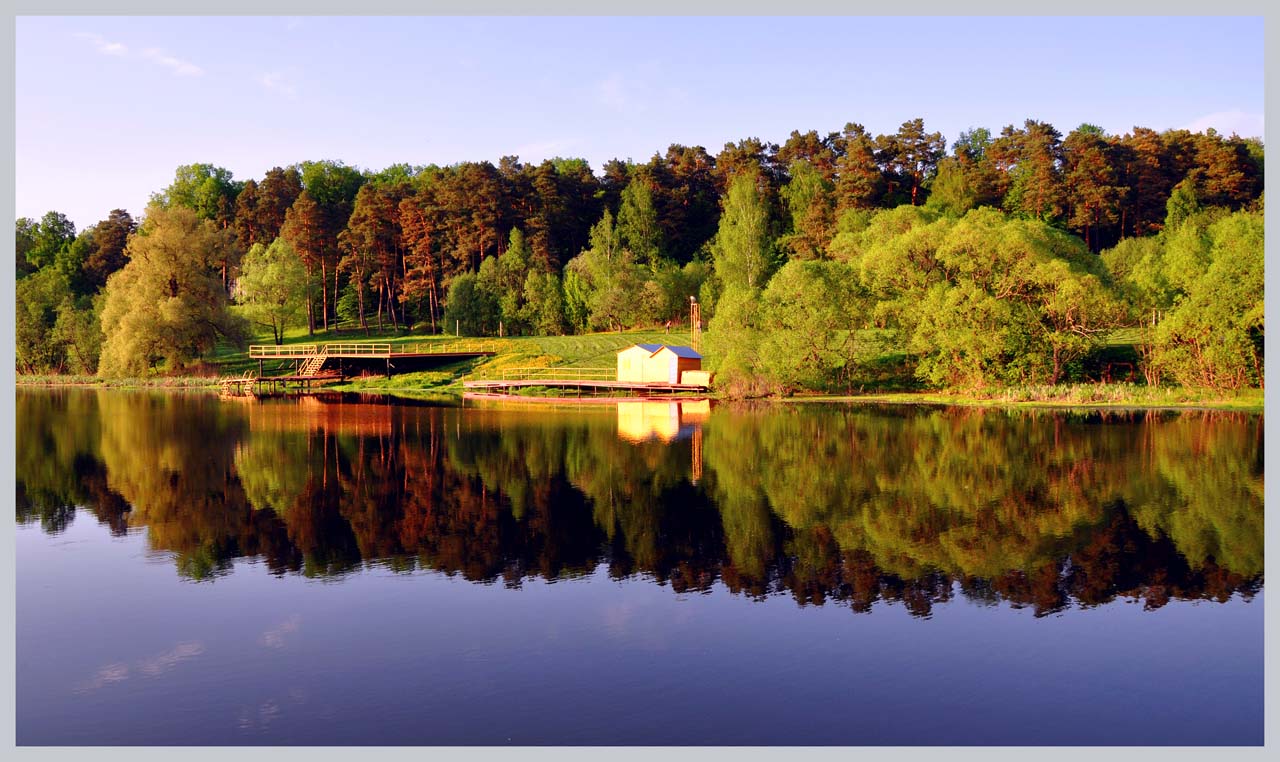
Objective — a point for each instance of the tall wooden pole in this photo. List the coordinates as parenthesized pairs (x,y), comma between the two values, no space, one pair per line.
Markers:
(695,325)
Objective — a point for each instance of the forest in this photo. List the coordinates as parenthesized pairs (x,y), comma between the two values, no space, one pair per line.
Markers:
(824,263)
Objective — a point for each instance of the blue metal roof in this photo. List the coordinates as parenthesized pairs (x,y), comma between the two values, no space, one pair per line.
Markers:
(653,349)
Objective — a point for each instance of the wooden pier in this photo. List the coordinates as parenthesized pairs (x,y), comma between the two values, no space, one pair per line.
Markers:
(312,359)
(315,364)
(579,380)
(250,385)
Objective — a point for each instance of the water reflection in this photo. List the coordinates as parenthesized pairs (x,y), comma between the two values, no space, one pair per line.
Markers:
(823,503)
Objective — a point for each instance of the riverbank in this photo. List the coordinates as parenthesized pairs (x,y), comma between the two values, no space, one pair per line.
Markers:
(445,386)
(599,351)
(1090,396)
(153,382)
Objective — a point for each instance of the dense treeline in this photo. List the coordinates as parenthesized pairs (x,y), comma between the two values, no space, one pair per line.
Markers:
(555,247)
(1043,510)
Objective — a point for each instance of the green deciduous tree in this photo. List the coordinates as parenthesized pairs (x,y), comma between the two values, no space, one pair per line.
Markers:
(734,334)
(208,190)
(986,299)
(25,239)
(637,225)
(471,308)
(952,192)
(1213,337)
(272,289)
(607,284)
(167,305)
(506,281)
(809,197)
(53,233)
(544,308)
(810,316)
(743,249)
(38,298)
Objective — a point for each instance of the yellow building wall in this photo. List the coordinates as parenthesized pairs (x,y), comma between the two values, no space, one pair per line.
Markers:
(637,366)
(631,364)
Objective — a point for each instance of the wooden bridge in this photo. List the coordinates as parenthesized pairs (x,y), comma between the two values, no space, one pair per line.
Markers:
(590,380)
(318,363)
(311,359)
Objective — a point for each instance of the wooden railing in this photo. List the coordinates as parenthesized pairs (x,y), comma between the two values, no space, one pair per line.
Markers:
(449,347)
(556,374)
(371,349)
(278,350)
(359,349)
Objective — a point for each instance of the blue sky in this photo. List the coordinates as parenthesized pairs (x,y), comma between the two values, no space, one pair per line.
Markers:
(107,108)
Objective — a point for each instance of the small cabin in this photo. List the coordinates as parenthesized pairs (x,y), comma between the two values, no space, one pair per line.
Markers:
(656,363)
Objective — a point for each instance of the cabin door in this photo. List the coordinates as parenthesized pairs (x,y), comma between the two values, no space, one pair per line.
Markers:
(675,370)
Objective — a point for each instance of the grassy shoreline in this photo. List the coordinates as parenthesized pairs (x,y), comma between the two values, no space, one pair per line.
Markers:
(1250,401)
(156,382)
(598,350)
(445,387)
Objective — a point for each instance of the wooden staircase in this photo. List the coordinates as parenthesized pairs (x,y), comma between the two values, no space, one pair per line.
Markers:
(238,386)
(314,363)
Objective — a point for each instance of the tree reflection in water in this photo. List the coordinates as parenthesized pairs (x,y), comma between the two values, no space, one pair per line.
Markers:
(1046,510)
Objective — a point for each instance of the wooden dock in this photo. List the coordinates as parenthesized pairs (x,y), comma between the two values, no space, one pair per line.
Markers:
(315,364)
(579,380)
(310,360)
(250,385)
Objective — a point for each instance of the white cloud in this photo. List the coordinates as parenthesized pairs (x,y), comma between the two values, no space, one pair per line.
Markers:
(612,92)
(279,82)
(1241,123)
(104,45)
(154,55)
(178,66)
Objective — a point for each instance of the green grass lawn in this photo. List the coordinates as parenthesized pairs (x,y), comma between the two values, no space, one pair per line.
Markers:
(599,350)
(595,350)
(585,351)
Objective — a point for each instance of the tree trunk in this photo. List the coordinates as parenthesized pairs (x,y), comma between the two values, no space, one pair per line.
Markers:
(360,299)
(432,302)
(324,294)
(391,302)
(311,307)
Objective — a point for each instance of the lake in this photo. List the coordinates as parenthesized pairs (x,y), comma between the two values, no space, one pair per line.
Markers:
(341,569)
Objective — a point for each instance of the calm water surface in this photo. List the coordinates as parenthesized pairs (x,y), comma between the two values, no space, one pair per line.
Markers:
(350,571)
